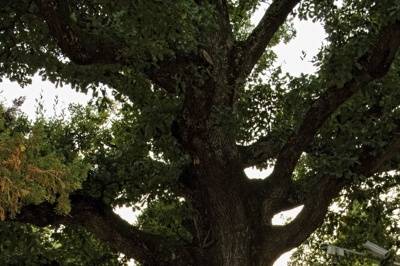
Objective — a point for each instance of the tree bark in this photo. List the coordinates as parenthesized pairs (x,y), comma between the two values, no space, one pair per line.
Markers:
(232,225)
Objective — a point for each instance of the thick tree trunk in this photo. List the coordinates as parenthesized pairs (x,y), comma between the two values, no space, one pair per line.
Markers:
(238,235)
(230,227)
(231,230)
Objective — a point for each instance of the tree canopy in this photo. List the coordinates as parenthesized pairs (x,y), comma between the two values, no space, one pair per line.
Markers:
(186,95)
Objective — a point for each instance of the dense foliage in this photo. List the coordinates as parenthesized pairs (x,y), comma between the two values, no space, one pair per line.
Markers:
(186,95)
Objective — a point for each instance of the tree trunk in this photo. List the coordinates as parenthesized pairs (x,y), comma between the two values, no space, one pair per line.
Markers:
(230,228)
(237,234)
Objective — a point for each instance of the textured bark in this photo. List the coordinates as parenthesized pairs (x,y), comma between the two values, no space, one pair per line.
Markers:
(232,225)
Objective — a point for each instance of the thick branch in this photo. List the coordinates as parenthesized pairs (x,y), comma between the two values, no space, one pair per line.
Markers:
(80,47)
(371,164)
(251,50)
(319,199)
(221,7)
(84,48)
(259,152)
(224,22)
(375,64)
(100,220)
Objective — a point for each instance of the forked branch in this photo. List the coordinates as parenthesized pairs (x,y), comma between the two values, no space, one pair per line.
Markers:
(318,200)
(375,64)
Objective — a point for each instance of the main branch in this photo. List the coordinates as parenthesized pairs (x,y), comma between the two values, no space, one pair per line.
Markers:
(251,50)
(85,48)
(318,199)
(375,64)
(107,226)
(79,46)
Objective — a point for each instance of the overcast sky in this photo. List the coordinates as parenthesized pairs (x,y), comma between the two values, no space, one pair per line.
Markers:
(308,39)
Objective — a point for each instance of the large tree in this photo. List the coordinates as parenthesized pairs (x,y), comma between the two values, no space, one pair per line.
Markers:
(197,98)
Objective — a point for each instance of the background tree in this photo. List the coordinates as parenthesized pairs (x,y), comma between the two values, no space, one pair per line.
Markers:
(198,100)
